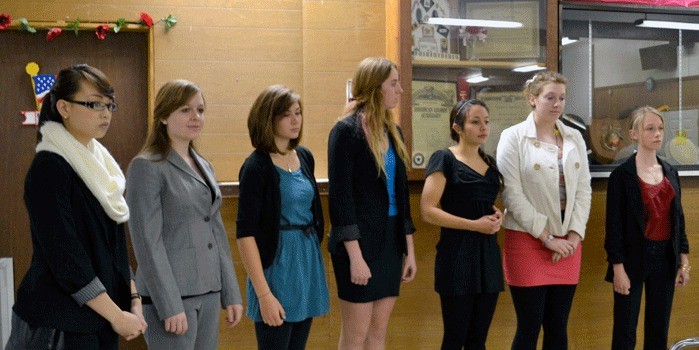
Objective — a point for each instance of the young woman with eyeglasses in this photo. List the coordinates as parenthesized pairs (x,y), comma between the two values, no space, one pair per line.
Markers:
(78,292)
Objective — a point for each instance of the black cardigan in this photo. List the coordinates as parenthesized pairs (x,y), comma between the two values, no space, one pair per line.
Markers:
(259,201)
(74,241)
(626,225)
(358,197)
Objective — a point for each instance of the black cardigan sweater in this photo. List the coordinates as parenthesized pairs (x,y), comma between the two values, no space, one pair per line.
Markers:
(625,223)
(74,242)
(358,197)
(259,201)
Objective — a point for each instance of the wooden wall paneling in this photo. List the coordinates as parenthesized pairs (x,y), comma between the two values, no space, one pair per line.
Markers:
(337,35)
(552,34)
(344,15)
(336,56)
(232,44)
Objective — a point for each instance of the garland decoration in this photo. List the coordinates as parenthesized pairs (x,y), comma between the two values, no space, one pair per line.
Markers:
(26,26)
(5,21)
(75,26)
(146,20)
(53,34)
(101,30)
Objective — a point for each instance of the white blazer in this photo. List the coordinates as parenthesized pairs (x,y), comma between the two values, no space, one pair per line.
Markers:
(530,171)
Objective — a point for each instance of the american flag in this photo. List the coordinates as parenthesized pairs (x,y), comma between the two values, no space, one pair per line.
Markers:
(42,85)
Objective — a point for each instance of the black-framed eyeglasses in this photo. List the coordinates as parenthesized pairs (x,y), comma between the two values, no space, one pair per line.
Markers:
(96,105)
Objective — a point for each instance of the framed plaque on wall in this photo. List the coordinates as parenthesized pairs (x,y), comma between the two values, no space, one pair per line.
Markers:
(432,103)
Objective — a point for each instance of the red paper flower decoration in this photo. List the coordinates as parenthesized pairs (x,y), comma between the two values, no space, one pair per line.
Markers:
(53,34)
(5,21)
(101,31)
(146,20)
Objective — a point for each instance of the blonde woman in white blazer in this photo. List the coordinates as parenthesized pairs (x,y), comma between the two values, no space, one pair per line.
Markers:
(547,195)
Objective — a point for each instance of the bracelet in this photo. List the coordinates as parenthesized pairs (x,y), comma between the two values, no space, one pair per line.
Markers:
(685,268)
(268,293)
(136,296)
(548,239)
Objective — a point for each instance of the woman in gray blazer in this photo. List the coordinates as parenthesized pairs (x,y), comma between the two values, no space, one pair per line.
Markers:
(185,270)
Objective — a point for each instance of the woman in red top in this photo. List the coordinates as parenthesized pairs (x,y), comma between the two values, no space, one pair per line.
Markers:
(645,241)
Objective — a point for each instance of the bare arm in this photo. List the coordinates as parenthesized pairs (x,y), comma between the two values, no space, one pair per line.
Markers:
(432,213)
(272,311)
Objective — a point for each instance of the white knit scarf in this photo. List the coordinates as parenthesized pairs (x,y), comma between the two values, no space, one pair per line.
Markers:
(94,165)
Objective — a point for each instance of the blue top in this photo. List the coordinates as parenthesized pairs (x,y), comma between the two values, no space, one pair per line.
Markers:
(389,160)
(297,274)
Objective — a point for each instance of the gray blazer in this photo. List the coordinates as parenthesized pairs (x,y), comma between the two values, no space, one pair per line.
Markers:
(177,232)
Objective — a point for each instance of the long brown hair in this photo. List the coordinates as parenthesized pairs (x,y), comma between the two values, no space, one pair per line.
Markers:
(369,104)
(171,96)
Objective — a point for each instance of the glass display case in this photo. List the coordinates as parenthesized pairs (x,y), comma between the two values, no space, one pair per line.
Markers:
(470,49)
(615,64)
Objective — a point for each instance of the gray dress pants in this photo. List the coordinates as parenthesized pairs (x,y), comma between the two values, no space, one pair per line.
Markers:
(203,313)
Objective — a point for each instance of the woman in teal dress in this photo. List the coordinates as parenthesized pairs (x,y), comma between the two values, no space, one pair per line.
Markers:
(280,225)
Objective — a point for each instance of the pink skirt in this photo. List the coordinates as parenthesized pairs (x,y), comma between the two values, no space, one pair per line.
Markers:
(527,263)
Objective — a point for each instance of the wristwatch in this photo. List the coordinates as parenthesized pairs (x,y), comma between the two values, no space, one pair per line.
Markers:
(136,296)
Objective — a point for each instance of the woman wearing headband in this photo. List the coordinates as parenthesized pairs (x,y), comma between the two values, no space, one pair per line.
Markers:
(459,195)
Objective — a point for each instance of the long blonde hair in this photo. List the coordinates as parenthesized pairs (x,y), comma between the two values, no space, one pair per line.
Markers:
(369,104)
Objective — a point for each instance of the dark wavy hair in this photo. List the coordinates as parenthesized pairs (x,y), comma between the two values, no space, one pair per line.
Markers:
(66,86)
(458,116)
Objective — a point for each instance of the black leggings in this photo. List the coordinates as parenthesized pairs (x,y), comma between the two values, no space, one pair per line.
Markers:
(288,336)
(466,320)
(660,289)
(542,305)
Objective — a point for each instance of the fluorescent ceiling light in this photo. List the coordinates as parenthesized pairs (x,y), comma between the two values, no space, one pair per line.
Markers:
(529,68)
(477,79)
(666,24)
(566,40)
(473,22)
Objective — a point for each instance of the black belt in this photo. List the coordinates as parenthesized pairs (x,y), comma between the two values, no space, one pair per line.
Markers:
(146,300)
(307,228)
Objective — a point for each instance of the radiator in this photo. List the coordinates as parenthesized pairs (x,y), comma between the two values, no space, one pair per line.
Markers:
(7,299)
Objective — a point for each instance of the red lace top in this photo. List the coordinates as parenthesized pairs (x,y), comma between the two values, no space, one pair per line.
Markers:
(656,209)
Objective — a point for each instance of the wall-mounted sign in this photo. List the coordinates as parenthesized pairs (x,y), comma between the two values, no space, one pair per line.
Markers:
(41,85)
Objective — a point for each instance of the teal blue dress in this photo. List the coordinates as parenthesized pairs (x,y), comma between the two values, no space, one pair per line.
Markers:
(297,275)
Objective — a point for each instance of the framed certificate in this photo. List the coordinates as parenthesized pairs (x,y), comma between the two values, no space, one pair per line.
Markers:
(506,108)
(432,103)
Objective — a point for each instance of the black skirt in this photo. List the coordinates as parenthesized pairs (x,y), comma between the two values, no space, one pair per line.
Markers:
(386,271)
